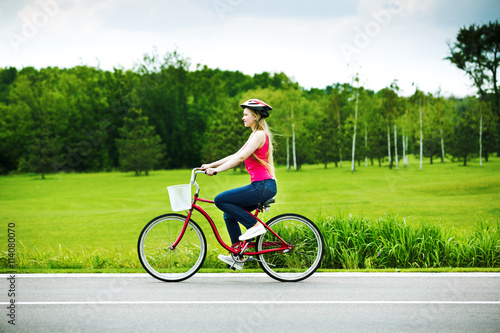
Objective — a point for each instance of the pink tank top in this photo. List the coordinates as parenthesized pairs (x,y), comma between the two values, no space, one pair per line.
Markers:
(257,170)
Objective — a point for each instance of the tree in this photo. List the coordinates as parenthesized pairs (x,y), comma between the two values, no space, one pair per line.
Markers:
(442,111)
(477,52)
(376,129)
(433,140)
(339,96)
(485,125)
(9,125)
(489,130)
(417,103)
(390,109)
(7,77)
(163,96)
(35,109)
(355,123)
(121,96)
(326,124)
(75,114)
(90,125)
(464,141)
(140,149)
(43,151)
(404,123)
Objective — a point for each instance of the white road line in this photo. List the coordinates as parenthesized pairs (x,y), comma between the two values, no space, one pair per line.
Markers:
(253,302)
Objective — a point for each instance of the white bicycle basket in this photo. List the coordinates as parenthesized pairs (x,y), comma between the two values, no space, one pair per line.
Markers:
(180,197)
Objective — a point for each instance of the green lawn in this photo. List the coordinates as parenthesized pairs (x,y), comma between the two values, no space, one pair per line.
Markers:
(108,210)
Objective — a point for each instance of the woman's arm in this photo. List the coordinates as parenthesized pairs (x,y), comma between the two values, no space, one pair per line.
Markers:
(257,140)
(217,163)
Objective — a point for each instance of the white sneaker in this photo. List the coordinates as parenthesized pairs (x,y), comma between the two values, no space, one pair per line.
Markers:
(230,261)
(253,232)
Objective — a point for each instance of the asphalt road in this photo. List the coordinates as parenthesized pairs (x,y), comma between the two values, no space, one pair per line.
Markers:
(235,302)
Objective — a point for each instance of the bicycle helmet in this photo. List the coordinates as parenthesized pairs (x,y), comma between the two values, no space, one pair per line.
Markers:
(258,106)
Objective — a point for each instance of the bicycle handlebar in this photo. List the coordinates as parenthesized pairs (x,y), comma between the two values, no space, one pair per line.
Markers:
(193,178)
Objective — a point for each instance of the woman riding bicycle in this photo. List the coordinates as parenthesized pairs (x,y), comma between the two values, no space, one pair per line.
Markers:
(257,153)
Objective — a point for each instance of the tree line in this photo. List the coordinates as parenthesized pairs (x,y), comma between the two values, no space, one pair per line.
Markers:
(162,115)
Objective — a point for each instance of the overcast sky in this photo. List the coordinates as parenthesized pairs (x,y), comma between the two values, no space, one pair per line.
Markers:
(315,42)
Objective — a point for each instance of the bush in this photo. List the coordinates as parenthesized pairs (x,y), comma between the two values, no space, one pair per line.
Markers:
(390,242)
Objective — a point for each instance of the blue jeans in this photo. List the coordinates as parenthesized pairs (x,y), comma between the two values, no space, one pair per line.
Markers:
(237,202)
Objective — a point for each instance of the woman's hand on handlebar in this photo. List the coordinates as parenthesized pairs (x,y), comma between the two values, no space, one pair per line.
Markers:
(208,170)
(211,171)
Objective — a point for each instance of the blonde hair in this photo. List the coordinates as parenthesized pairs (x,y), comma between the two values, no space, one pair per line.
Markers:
(261,125)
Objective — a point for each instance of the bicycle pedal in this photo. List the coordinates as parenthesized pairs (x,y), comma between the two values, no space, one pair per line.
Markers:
(231,267)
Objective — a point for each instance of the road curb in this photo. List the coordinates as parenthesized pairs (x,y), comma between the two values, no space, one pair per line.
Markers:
(246,275)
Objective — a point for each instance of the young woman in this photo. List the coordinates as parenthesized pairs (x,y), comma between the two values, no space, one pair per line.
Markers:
(257,153)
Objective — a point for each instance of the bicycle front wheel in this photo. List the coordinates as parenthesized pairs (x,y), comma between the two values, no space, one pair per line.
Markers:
(298,263)
(164,263)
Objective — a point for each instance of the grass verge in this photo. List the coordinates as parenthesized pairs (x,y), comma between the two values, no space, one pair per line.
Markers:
(351,243)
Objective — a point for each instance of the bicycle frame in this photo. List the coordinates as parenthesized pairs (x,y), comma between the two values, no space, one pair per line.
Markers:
(237,248)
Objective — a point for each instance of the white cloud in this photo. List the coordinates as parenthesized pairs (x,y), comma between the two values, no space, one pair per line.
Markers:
(404,40)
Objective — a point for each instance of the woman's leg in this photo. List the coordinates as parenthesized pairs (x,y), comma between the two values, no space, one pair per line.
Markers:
(233,228)
(237,202)
(232,203)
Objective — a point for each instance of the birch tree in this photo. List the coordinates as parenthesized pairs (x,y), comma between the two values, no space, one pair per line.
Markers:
(405,161)
(489,131)
(486,127)
(440,123)
(338,99)
(366,145)
(377,140)
(287,153)
(416,112)
(355,125)
(421,133)
(396,145)
(480,138)
(326,137)
(433,133)
(390,111)
(294,153)
(403,122)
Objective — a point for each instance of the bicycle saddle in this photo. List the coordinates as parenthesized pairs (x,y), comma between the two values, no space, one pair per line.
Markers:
(268,202)
(264,206)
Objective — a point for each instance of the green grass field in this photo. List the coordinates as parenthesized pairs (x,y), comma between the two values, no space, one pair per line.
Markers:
(108,210)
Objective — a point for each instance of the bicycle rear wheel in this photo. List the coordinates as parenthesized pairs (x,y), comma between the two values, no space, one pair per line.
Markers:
(163,263)
(306,255)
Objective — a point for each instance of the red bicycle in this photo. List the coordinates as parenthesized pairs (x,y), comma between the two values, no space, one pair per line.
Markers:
(172,247)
